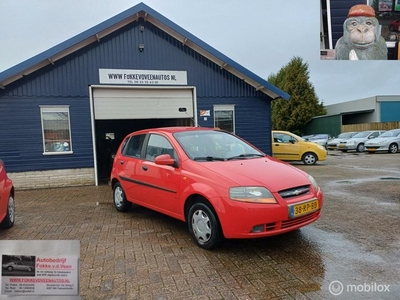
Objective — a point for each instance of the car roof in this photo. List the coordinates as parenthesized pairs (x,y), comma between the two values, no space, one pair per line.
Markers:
(173,129)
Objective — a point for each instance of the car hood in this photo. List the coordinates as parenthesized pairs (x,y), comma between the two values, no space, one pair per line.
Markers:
(380,139)
(356,140)
(268,172)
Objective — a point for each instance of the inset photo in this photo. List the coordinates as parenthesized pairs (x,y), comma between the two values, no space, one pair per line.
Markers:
(17,265)
(360,30)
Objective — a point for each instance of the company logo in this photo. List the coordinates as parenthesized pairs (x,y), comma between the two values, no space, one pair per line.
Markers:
(336,288)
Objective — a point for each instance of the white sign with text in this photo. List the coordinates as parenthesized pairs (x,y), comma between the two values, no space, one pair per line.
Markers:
(142,77)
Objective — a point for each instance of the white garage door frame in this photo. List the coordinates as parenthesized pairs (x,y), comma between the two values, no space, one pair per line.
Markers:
(123,96)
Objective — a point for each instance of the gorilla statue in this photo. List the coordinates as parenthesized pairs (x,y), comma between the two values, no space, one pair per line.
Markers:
(361,38)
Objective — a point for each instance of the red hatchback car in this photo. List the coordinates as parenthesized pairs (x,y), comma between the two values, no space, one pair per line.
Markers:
(7,204)
(219,184)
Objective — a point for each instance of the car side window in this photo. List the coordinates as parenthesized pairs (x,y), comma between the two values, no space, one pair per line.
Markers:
(158,145)
(133,147)
(282,138)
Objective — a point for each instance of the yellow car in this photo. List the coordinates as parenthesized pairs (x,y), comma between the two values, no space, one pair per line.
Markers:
(290,147)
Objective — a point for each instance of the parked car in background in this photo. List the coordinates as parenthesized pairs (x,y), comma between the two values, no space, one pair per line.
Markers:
(356,143)
(388,141)
(288,146)
(7,204)
(394,25)
(320,139)
(216,182)
(332,144)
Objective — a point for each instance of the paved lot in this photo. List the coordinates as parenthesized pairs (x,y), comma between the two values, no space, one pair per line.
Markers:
(145,255)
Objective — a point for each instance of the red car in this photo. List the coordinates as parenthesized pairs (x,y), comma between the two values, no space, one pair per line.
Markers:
(7,204)
(394,25)
(219,184)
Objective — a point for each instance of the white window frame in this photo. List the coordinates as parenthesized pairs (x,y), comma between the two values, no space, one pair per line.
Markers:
(227,107)
(57,109)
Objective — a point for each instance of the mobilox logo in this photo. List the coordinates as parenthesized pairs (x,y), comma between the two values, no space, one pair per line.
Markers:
(336,288)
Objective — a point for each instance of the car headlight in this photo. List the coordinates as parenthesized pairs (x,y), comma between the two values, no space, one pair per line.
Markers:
(313,182)
(251,194)
(351,142)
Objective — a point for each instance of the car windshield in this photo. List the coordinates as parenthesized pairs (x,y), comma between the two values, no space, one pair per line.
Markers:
(362,134)
(319,137)
(391,133)
(345,135)
(214,145)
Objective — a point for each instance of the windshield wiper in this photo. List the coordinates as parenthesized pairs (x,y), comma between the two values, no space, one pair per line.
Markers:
(245,156)
(208,158)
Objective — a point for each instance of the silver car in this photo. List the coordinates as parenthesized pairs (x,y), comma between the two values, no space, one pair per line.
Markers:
(358,140)
(333,144)
(17,265)
(388,141)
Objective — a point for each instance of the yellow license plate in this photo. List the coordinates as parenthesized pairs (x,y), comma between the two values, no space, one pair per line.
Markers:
(303,208)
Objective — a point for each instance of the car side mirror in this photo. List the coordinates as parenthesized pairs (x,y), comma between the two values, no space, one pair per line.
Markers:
(164,160)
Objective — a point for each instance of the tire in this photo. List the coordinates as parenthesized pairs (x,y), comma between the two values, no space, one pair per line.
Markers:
(360,147)
(204,226)
(344,151)
(119,198)
(10,268)
(9,219)
(29,269)
(309,158)
(393,148)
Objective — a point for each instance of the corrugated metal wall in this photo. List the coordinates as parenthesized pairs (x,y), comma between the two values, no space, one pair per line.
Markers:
(66,83)
(390,111)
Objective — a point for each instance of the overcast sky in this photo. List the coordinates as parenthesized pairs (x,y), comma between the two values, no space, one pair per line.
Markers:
(261,35)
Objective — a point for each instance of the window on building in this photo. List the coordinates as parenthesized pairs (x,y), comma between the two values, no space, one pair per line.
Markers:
(224,117)
(56,130)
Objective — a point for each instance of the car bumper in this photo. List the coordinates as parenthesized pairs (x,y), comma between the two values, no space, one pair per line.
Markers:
(263,220)
(347,147)
(370,148)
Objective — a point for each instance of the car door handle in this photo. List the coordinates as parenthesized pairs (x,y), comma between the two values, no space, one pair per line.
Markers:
(121,162)
(144,168)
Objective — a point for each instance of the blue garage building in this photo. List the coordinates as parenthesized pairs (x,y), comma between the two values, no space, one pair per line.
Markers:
(64,111)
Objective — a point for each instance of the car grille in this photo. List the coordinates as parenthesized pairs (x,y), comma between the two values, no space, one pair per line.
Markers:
(293,192)
(287,224)
(299,220)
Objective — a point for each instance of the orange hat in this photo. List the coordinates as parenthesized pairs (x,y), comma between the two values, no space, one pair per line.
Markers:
(361,10)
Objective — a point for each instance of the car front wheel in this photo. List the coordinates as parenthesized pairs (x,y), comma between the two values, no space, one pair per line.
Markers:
(393,148)
(360,148)
(203,226)
(120,202)
(309,158)
(10,268)
(9,219)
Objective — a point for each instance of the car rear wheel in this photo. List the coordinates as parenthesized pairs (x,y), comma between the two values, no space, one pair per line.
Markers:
(309,158)
(203,226)
(360,147)
(393,148)
(10,268)
(9,219)
(120,202)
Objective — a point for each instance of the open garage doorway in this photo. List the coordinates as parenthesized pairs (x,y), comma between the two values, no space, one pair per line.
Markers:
(120,110)
(110,134)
